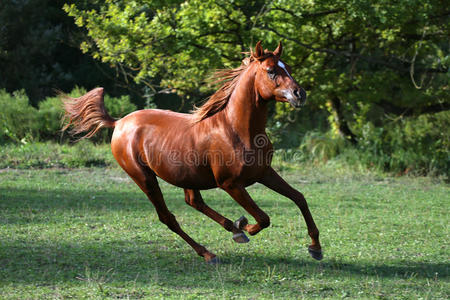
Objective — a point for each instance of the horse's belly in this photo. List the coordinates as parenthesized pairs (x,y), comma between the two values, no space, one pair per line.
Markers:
(187,177)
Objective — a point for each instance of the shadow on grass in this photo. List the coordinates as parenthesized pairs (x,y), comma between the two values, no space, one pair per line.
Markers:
(34,262)
(40,201)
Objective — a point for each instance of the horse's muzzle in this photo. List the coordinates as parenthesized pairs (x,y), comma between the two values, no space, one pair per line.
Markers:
(298,98)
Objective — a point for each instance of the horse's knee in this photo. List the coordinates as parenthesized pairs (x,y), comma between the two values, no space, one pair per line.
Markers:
(169,220)
(165,218)
(300,200)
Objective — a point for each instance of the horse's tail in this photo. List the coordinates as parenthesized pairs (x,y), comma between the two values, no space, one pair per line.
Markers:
(86,113)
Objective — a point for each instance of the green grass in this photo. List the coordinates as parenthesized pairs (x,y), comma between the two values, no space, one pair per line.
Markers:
(53,155)
(91,233)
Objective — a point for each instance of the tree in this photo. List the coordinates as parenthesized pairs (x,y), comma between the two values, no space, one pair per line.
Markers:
(39,51)
(358,59)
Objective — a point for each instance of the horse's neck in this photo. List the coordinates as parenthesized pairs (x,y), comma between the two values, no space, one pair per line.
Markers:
(244,112)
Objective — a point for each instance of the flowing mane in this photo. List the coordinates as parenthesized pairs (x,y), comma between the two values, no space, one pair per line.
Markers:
(217,102)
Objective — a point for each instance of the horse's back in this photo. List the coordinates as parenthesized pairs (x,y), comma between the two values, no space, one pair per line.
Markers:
(152,128)
(166,142)
(152,123)
(157,117)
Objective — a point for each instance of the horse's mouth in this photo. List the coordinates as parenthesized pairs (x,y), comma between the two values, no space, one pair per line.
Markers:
(297,103)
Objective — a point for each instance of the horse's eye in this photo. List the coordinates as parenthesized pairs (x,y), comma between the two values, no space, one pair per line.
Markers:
(272,73)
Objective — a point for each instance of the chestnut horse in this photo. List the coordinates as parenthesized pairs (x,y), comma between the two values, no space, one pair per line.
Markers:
(221,144)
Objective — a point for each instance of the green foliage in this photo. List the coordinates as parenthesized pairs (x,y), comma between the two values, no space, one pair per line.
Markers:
(119,107)
(363,63)
(49,117)
(21,123)
(156,38)
(321,147)
(17,118)
(336,47)
(418,145)
(287,127)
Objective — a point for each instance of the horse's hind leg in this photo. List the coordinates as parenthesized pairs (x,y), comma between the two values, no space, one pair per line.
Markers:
(194,199)
(147,181)
(242,197)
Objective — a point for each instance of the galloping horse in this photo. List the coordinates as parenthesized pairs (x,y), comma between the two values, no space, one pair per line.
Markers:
(221,144)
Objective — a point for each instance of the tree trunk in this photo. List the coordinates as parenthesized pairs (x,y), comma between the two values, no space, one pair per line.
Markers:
(341,122)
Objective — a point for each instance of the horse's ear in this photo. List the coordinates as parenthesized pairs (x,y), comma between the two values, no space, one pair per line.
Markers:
(277,52)
(259,52)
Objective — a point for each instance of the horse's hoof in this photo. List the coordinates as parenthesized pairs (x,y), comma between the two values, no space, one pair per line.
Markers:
(240,223)
(240,238)
(316,254)
(213,261)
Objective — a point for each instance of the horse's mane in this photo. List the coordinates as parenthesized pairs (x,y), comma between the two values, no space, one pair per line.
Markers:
(217,102)
(229,79)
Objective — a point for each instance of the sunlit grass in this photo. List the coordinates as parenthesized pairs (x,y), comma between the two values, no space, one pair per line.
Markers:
(91,233)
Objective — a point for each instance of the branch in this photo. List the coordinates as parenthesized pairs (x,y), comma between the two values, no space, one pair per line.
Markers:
(331,51)
(435,108)
(308,15)
(379,61)
(201,47)
(215,33)
(411,111)
(413,61)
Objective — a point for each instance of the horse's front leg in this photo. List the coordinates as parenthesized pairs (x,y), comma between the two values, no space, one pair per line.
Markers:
(273,181)
(238,193)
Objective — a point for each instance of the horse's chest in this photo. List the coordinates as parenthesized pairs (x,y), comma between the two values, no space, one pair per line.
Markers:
(249,164)
(255,158)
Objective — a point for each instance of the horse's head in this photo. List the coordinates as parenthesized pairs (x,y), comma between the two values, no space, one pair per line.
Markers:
(273,78)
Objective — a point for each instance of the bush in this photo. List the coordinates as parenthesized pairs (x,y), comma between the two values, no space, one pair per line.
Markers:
(319,146)
(419,145)
(119,107)
(49,116)
(17,118)
(22,123)
(287,127)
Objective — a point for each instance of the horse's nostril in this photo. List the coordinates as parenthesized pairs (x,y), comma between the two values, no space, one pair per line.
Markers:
(297,93)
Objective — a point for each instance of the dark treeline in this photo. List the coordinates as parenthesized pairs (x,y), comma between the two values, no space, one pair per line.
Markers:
(39,52)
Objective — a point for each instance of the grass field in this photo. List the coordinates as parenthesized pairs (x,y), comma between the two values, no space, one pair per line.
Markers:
(91,233)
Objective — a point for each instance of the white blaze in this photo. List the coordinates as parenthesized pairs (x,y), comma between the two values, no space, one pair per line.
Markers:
(281,65)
